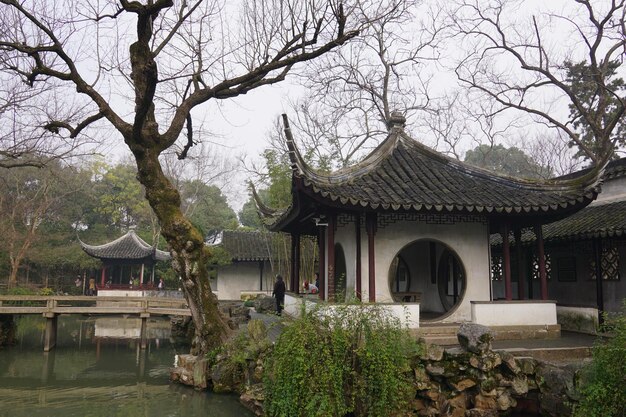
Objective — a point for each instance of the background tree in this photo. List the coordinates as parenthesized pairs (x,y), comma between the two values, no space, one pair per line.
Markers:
(32,200)
(508,161)
(174,57)
(522,62)
(352,91)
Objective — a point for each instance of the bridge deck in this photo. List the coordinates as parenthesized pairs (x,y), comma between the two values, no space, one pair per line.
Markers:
(52,305)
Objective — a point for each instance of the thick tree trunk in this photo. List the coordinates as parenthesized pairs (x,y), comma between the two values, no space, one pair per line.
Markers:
(190,255)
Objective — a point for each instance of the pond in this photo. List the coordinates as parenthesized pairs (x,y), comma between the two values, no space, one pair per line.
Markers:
(97,369)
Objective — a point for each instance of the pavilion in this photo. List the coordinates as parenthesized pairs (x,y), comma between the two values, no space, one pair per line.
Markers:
(126,257)
(410,226)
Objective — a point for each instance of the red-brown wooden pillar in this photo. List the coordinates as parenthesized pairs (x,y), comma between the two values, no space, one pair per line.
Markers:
(543,278)
(330,244)
(370,225)
(295,262)
(322,265)
(521,271)
(506,259)
(102,276)
(357,226)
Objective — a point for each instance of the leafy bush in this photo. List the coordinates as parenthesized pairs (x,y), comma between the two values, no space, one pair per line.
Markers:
(352,359)
(603,388)
(46,291)
(21,291)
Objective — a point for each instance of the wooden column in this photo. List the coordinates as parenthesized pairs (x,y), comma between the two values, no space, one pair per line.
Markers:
(295,263)
(543,278)
(506,259)
(102,277)
(322,264)
(357,225)
(370,225)
(261,264)
(141,275)
(521,281)
(597,246)
(330,245)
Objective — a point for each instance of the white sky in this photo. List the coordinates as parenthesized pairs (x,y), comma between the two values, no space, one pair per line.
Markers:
(241,125)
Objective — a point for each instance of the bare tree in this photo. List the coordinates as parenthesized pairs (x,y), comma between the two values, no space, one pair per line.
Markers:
(352,91)
(170,57)
(523,62)
(23,113)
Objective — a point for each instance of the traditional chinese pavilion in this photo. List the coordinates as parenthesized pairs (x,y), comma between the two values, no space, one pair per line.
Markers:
(408,225)
(126,257)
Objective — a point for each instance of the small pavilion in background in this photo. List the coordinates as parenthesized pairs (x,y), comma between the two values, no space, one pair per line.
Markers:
(126,257)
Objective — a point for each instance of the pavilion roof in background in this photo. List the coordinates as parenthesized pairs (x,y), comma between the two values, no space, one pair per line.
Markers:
(130,247)
(251,245)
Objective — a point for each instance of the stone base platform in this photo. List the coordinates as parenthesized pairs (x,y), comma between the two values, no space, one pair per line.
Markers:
(444,334)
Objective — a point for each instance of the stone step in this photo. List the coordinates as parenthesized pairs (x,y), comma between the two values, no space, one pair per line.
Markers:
(439,329)
(441,340)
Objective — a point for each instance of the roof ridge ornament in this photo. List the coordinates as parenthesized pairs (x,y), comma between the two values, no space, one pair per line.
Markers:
(397,120)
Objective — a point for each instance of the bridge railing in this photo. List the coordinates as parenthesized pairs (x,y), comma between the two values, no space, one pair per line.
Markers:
(31,302)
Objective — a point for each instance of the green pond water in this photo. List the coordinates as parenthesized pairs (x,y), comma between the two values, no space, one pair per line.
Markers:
(97,369)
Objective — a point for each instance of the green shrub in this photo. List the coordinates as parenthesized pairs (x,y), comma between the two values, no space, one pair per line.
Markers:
(46,291)
(353,361)
(603,386)
(21,291)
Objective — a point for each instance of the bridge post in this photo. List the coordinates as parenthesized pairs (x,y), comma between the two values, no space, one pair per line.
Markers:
(50,336)
(144,330)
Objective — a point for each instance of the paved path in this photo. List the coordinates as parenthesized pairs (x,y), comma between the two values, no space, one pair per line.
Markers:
(273,323)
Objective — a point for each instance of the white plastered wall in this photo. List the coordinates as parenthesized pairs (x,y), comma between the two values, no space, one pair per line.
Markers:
(469,240)
(241,276)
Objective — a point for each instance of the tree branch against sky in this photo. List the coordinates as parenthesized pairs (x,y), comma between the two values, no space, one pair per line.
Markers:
(146,67)
(352,91)
(520,61)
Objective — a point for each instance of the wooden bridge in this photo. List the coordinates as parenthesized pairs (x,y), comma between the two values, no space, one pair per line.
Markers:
(51,307)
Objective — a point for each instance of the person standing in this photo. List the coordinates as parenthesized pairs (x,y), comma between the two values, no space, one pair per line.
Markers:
(92,286)
(279,294)
(161,285)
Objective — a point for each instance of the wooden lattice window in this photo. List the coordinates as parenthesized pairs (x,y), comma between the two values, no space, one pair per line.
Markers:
(610,264)
(535,266)
(497,267)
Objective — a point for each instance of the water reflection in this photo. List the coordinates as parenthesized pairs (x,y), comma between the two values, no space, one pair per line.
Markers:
(98,369)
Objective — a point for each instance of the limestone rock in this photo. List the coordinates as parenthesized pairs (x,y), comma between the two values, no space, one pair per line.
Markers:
(504,401)
(257,330)
(527,365)
(264,304)
(463,384)
(510,363)
(475,338)
(485,362)
(479,412)
(253,398)
(435,369)
(519,386)
(190,370)
(484,403)
(433,352)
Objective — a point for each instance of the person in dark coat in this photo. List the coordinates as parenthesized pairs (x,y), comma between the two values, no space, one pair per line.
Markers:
(279,293)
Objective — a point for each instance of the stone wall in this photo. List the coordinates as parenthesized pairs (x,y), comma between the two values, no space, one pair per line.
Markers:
(470,381)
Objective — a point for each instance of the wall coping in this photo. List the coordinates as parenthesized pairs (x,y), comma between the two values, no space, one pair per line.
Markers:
(515,302)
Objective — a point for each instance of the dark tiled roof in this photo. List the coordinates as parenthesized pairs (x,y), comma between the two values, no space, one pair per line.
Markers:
(402,174)
(598,220)
(129,246)
(250,245)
